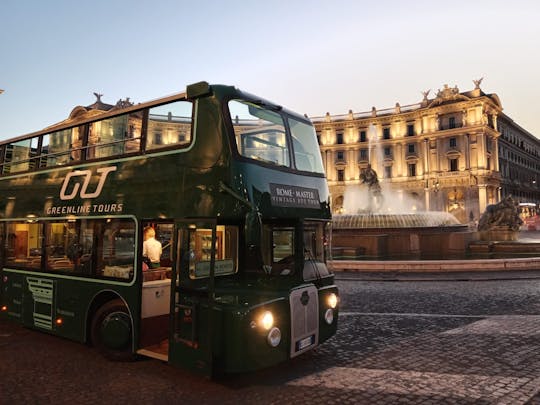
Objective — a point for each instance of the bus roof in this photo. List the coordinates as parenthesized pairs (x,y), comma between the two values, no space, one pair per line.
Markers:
(77,118)
(81,115)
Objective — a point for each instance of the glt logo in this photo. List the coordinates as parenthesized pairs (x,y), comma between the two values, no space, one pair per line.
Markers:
(83,177)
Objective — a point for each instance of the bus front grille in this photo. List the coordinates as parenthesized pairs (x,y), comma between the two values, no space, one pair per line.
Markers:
(304,304)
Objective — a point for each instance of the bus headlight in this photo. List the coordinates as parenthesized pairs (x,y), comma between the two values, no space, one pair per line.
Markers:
(267,320)
(329,316)
(332,300)
(274,337)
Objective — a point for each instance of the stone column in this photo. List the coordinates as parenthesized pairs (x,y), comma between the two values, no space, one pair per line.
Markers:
(467,152)
(482,197)
(481,150)
(495,154)
(426,197)
(494,120)
(351,164)
(398,158)
(426,157)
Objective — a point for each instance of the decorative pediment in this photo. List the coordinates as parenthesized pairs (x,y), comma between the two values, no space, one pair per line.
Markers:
(448,94)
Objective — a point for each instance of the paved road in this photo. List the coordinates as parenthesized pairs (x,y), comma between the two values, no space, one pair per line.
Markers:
(417,342)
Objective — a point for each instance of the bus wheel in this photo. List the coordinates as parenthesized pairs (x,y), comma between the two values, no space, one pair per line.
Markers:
(112,331)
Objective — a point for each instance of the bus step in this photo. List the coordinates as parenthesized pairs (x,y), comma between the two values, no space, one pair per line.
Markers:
(159,351)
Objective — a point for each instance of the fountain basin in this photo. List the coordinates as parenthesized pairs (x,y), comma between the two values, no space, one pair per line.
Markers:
(426,219)
(420,235)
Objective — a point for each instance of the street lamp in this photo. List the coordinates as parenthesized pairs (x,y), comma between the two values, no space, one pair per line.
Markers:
(436,186)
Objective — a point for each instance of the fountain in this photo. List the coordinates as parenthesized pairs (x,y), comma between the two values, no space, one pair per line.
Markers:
(383,224)
(377,225)
(380,224)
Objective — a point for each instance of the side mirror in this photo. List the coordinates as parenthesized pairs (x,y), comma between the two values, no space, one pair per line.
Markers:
(253,229)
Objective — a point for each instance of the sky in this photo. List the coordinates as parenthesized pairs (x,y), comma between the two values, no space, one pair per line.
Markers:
(312,57)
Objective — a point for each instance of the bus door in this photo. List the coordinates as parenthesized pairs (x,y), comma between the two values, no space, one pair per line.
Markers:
(192,295)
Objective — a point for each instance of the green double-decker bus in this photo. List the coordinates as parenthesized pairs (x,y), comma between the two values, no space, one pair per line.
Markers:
(193,229)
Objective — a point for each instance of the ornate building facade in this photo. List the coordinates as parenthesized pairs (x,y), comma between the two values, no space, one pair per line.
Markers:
(457,152)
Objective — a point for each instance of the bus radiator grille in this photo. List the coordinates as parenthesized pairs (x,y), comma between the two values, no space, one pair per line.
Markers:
(304,304)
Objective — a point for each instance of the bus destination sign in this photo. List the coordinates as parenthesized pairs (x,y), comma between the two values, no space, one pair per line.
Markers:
(293,196)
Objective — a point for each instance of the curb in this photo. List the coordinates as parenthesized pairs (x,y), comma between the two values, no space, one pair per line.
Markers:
(426,276)
(437,266)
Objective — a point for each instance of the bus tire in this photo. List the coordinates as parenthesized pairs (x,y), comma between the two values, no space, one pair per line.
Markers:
(112,331)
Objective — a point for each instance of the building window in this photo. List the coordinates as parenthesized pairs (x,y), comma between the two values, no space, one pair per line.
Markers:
(410,130)
(319,138)
(363,137)
(489,163)
(340,156)
(412,169)
(453,142)
(387,172)
(387,151)
(363,154)
(341,175)
(386,133)
(452,122)
(453,165)
(339,138)
(411,148)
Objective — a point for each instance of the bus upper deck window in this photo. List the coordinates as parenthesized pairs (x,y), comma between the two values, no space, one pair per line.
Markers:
(114,136)
(169,125)
(307,154)
(260,133)
(61,147)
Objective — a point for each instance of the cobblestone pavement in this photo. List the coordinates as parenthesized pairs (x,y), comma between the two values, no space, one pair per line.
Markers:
(429,342)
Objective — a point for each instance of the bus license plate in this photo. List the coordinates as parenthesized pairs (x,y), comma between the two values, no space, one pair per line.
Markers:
(302,344)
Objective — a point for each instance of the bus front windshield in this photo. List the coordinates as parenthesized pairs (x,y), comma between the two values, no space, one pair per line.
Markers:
(279,247)
(270,136)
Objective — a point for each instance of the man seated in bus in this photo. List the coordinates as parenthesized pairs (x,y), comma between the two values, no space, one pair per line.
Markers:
(151,248)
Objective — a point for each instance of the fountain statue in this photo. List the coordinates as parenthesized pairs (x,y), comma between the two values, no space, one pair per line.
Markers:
(375,197)
(500,221)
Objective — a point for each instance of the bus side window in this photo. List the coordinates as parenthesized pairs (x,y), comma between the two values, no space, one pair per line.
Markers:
(2,245)
(199,253)
(17,158)
(61,147)
(23,245)
(169,125)
(114,136)
(116,249)
(60,240)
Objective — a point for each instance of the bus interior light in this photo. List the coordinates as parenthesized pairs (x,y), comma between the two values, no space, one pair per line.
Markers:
(4,308)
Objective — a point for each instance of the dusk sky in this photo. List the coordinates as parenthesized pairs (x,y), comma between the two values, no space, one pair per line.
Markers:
(310,56)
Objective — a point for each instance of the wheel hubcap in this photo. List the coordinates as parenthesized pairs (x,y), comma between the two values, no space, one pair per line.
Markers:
(116,330)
